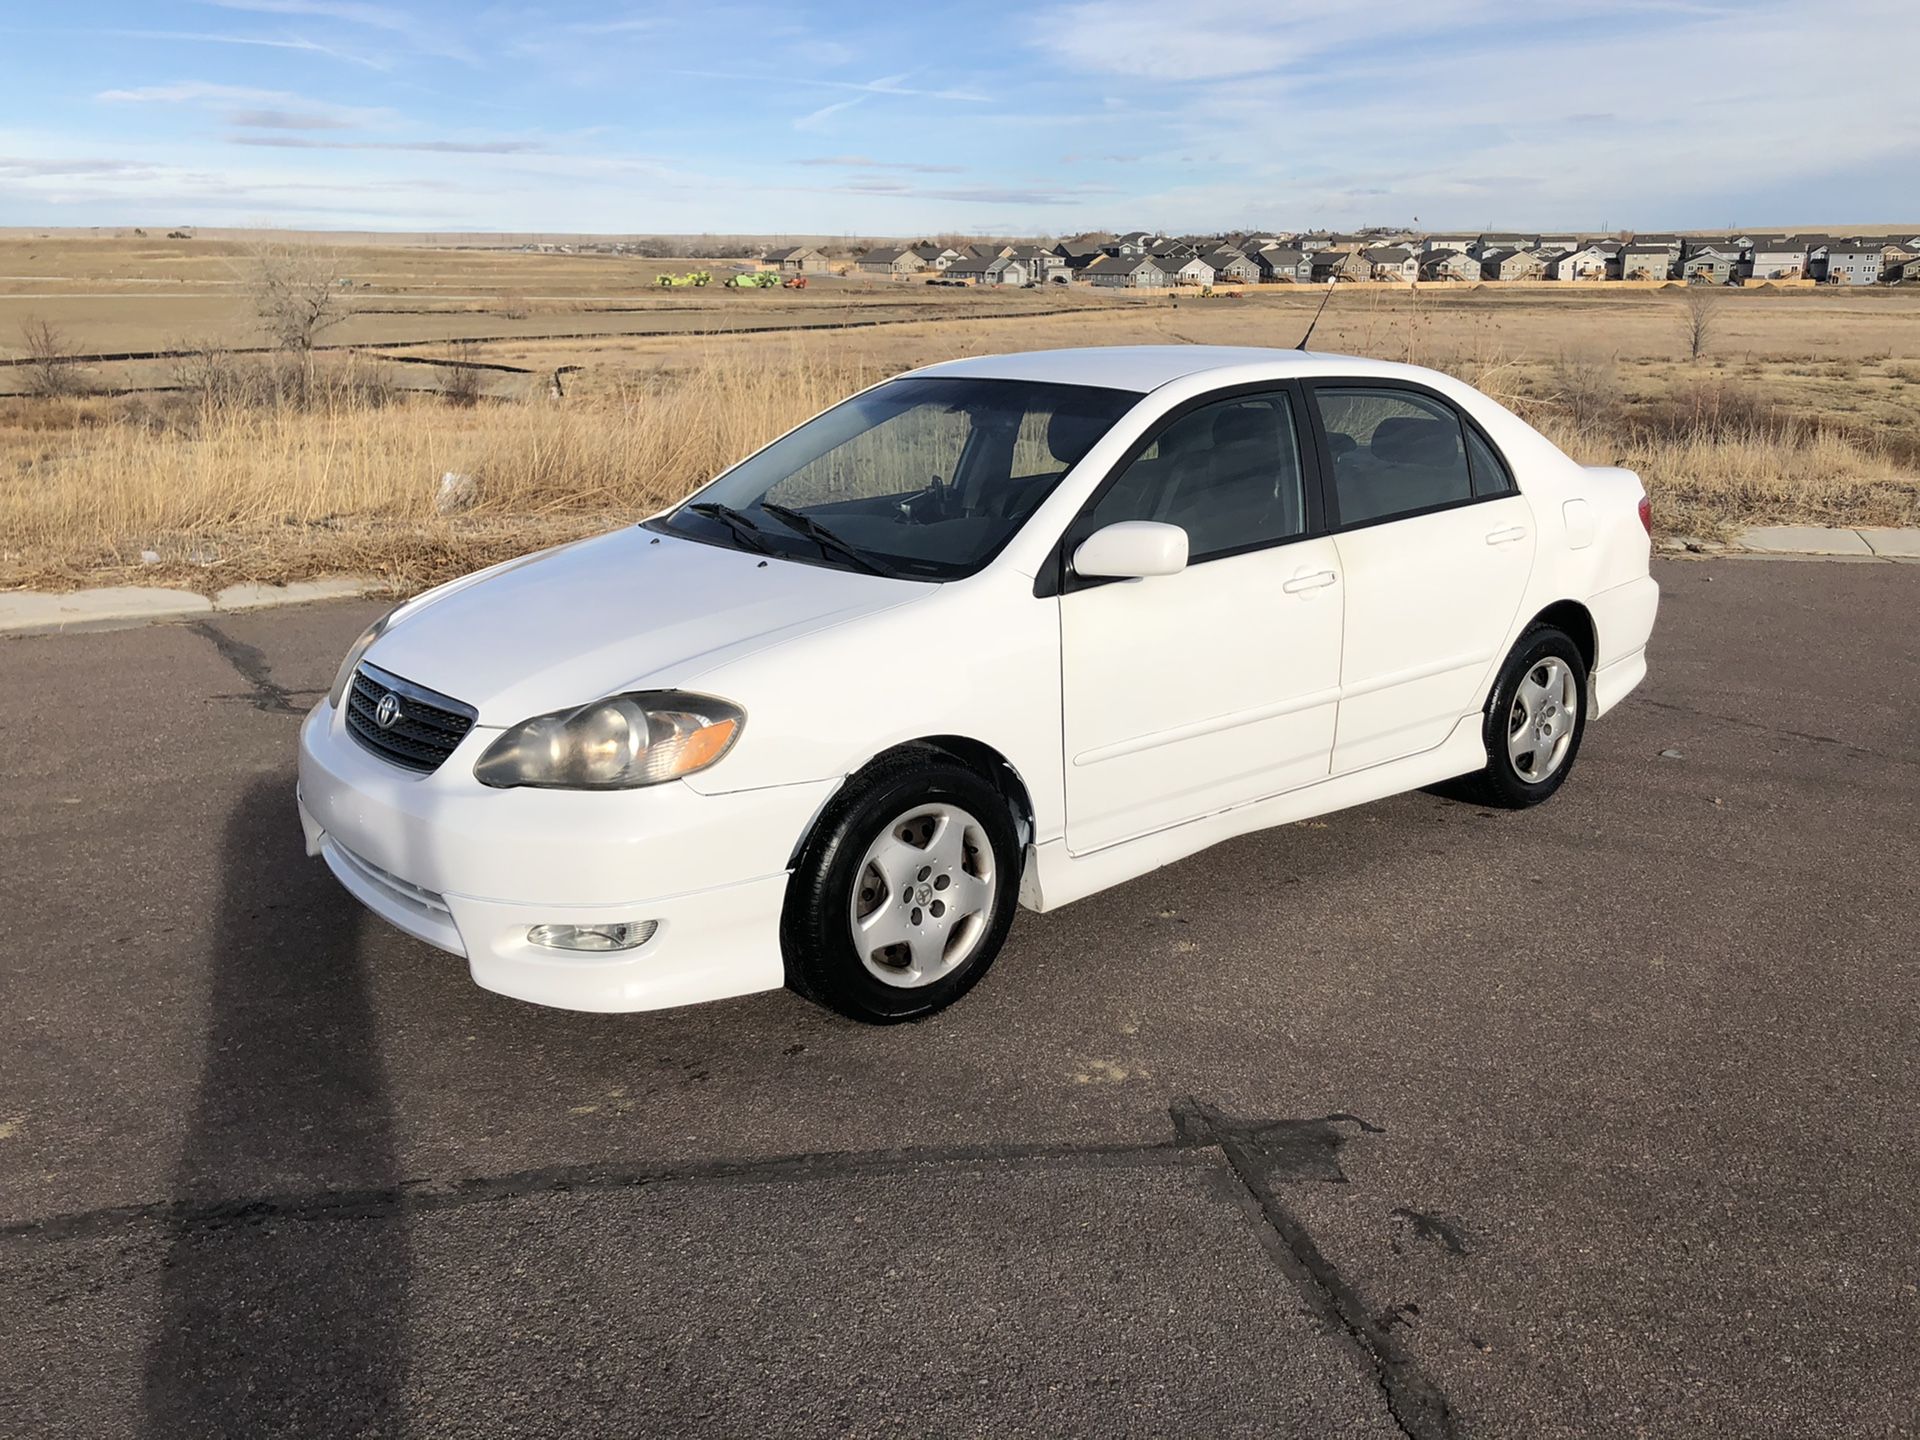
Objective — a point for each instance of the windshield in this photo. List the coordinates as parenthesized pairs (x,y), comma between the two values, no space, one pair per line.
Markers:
(923,478)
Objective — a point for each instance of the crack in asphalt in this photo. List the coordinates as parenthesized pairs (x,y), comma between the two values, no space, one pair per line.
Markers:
(1258,1153)
(1763,728)
(1417,1405)
(250,663)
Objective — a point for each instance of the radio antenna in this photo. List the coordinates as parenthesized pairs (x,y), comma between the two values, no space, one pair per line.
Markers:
(1317,313)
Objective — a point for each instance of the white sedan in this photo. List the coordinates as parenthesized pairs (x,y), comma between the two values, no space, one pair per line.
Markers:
(1007,630)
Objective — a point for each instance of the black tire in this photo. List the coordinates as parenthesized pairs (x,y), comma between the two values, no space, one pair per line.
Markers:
(1502,784)
(816,938)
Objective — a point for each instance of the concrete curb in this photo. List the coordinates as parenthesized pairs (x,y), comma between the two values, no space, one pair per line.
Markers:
(33,612)
(1810,542)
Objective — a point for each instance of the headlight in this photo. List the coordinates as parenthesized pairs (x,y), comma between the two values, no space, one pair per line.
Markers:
(615,744)
(372,633)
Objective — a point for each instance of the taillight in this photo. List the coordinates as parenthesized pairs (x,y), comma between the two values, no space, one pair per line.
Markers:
(1646,514)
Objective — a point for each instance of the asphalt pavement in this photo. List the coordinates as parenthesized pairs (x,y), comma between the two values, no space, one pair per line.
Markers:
(1413,1120)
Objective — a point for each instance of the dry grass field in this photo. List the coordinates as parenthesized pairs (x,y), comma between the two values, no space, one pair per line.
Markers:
(1804,407)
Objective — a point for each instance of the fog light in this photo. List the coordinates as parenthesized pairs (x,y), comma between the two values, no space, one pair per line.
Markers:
(626,935)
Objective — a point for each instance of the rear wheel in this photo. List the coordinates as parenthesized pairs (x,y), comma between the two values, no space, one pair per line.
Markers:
(905,892)
(1535,719)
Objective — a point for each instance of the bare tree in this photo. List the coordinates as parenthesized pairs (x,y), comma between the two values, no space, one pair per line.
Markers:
(1696,320)
(206,369)
(51,366)
(296,291)
(460,375)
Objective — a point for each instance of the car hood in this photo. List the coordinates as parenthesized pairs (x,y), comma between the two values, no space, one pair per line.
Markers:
(631,610)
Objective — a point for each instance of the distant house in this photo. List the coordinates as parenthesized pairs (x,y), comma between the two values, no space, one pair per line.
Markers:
(1511,265)
(1042,264)
(1778,258)
(1080,253)
(1710,267)
(1391,262)
(1562,244)
(890,262)
(1131,272)
(1901,271)
(1283,264)
(1549,262)
(1448,265)
(1462,243)
(1485,245)
(1231,266)
(989,270)
(1690,244)
(1340,265)
(1134,242)
(1589,262)
(798,260)
(1185,270)
(1854,264)
(1646,262)
(936,257)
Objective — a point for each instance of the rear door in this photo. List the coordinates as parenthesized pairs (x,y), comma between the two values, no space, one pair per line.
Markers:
(1185,694)
(1436,546)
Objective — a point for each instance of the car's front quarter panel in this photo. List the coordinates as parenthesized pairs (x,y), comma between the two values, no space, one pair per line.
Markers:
(977,658)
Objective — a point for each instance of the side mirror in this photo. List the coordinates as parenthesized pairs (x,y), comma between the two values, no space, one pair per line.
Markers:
(1132,550)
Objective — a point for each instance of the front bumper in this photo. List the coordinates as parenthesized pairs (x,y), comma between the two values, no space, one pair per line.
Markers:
(471,869)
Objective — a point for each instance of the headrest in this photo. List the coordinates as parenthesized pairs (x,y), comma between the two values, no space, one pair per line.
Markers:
(1069,436)
(1408,440)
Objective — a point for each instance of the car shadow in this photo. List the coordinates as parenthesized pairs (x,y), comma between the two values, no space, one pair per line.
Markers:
(271,1320)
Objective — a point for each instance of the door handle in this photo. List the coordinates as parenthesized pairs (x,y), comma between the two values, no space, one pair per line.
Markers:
(1507,535)
(1316,581)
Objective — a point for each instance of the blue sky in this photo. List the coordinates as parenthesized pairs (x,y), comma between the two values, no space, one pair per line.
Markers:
(1047,117)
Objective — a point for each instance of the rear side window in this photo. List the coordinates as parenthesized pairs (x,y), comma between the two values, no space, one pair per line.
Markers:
(1394,452)
(1490,473)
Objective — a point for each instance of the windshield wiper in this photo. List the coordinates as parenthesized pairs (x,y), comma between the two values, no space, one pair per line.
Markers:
(744,530)
(824,538)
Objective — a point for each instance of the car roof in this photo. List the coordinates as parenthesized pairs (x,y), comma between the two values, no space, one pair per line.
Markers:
(1148,367)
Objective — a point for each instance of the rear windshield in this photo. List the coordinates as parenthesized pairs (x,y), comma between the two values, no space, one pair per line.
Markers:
(922,478)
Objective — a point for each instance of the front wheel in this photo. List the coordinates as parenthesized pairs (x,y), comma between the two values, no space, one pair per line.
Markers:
(1535,719)
(905,892)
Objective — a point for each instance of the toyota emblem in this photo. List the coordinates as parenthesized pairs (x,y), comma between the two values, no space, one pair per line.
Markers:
(387,712)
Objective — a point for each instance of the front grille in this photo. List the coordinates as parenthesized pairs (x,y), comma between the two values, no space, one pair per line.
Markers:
(425,730)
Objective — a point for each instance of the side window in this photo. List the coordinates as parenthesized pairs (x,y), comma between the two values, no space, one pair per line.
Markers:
(1490,473)
(1228,474)
(1394,452)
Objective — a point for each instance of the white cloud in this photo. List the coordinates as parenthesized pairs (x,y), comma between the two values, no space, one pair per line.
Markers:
(1213,39)
(192,91)
(818,118)
(378,17)
(262,42)
(886,85)
(259,109)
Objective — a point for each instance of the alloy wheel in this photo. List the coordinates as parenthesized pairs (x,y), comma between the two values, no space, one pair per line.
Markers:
(924,896)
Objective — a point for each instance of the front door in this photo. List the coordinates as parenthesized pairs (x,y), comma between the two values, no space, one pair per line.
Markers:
(1186,694)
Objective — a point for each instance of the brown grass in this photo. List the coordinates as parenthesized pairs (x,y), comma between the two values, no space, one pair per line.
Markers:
(237,480)
(232,491)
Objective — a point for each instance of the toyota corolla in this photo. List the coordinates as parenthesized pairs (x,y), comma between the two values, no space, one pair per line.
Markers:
(1004,631)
